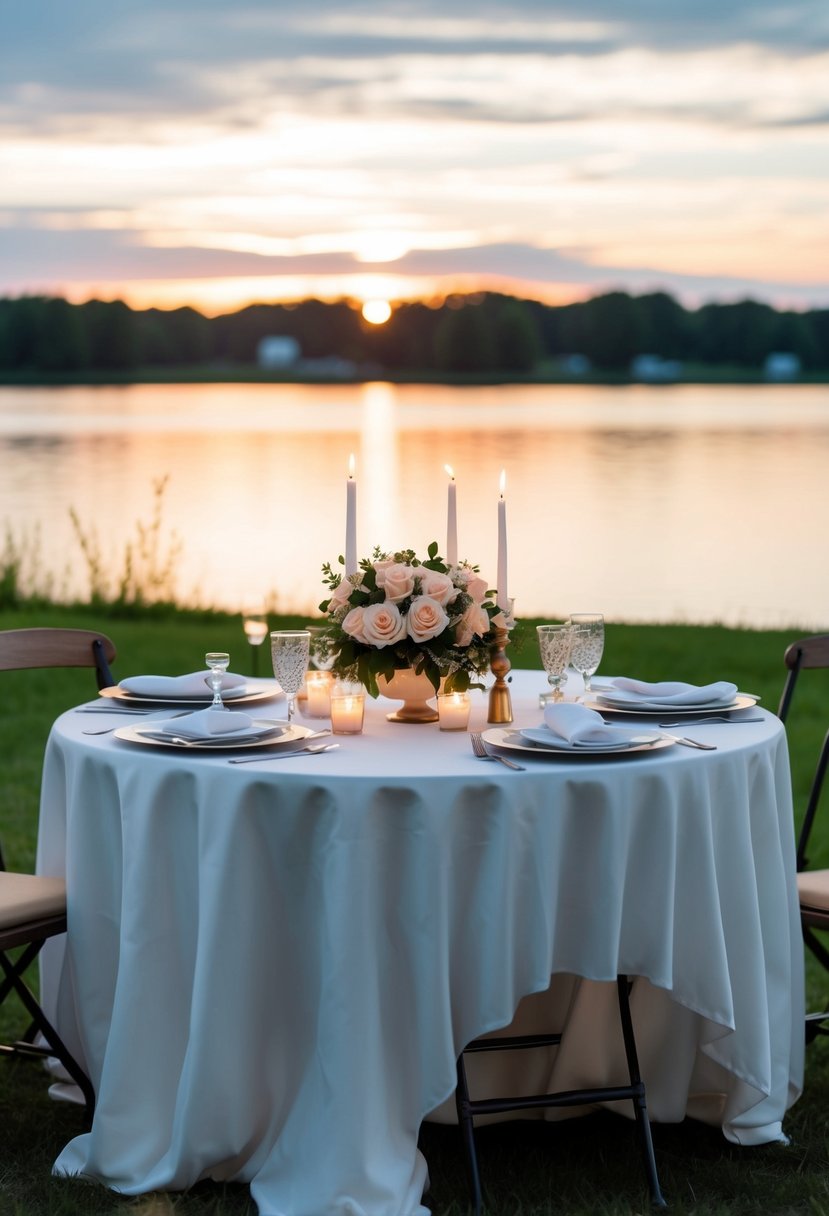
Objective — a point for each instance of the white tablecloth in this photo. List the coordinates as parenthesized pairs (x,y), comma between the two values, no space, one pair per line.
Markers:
(271,968)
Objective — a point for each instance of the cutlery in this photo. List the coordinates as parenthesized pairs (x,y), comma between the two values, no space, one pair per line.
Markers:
(481,751)
(296,751)
(686,742)
(107,730)
(706,721)
(111,709)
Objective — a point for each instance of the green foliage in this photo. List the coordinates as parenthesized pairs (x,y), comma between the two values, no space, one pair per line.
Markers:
(484,335)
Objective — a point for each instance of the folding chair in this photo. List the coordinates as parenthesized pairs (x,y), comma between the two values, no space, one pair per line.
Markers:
(812,885)
(33,907)
(467,1108)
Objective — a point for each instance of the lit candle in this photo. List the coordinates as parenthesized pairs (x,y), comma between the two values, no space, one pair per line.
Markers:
(347,709)
(318,687)
(503,599)
(351,520)
(452,520)
(453,710)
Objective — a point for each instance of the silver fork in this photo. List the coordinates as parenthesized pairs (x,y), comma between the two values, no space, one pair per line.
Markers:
(483,753)
(715,720)
(107,730)
(297,751)
(686,742)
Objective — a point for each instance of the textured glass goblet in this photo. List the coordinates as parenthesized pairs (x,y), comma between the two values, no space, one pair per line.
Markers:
(588,645)
(554,643)
(289,653)
(217,661)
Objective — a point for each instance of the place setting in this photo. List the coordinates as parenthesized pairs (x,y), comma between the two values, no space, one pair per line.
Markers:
(193,689)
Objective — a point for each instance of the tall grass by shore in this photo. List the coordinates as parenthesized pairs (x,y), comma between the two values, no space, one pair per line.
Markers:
(582,1166)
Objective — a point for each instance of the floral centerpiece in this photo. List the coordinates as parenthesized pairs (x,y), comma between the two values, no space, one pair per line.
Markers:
(398,612)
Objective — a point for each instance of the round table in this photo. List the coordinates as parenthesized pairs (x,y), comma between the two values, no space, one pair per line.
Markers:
(271,968)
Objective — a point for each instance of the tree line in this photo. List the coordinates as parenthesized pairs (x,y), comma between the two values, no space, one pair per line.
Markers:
(479,334)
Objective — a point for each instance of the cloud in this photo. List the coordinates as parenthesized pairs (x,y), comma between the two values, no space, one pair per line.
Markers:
(39,260)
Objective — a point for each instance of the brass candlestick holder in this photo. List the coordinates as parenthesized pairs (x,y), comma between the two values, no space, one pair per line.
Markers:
(500,703)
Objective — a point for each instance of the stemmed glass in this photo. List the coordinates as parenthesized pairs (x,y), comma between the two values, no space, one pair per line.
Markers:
(289,651)
(217,661)
(255,625)
(554,642)
(588,645)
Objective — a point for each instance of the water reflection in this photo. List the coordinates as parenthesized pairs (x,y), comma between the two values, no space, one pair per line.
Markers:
(644,503)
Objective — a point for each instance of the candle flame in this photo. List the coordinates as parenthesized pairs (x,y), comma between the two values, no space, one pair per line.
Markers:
(503,483)
(351,466)
(448,468)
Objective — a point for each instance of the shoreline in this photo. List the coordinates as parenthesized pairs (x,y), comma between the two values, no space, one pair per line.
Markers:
(254,375)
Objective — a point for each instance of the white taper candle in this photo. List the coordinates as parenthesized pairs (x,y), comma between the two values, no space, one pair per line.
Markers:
(351,520)
(451,520)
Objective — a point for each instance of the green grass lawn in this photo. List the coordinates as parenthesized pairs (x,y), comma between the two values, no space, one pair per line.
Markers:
(587,1165)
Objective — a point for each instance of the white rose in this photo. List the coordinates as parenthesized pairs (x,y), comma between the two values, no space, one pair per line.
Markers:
(426,619)
(475,586)
(383,625)
(474,621)
(397,580)
(438,586)
(353,624)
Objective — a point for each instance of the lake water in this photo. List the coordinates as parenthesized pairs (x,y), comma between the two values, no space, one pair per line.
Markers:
(686,503)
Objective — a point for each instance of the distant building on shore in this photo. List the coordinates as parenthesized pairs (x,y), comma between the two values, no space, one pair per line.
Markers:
(277,352)
(782,365)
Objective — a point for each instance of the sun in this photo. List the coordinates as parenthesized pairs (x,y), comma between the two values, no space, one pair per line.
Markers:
(376,312)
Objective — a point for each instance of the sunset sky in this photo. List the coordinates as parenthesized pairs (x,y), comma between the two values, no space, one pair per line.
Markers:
(214,152)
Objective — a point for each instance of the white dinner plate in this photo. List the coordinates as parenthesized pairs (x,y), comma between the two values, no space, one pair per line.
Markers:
(250,694)
(512,740)
(605,705)
(147,735)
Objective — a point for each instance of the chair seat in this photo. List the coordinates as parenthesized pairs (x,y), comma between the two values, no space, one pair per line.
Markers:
(25,898)
(813,890)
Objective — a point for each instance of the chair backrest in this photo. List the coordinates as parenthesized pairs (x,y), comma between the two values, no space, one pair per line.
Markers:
(810,652)
(27,648)
(800,655)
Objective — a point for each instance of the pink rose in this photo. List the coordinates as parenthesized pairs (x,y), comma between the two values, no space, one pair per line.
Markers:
(426,619)
(382,625)
(438,587)
(353,624)
(474,621)
(340,594)
(397,580)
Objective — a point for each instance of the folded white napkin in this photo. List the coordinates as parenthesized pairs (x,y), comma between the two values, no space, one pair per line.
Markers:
(571,725)
(192,685)
(213,724)
(672,692)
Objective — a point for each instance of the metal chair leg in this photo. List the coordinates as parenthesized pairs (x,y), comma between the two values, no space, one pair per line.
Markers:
(639,1103)
(468,1136)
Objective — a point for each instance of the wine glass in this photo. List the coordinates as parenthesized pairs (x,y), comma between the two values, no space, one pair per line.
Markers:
(289,651)
(255,625)
(217,661)
(588,645)
(554,642)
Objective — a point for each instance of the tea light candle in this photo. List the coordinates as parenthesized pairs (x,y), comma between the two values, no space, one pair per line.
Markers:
(347,709)
(453,710)
(318,692)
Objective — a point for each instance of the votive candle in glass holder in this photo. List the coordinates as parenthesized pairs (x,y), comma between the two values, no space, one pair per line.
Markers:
(347,709)
(453,710)
(318,686)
